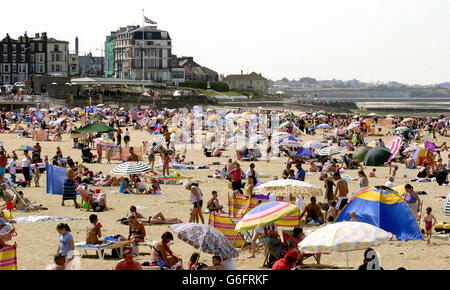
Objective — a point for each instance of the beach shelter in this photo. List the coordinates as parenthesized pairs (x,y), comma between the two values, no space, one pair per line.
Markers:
(95,127)
(305,152)
(384,208)
(55,179)
(377,156)
(419,156)
(360,153)
(8,258)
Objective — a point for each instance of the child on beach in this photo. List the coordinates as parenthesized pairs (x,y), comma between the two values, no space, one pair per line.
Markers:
(65,239)
(166,161)
(372,173)
(430,221)
(36,175)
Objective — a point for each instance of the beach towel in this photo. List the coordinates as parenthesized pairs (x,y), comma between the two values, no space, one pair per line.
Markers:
(8,258)
(36,219)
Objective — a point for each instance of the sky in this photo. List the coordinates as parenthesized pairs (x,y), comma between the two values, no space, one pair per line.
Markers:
(372,40)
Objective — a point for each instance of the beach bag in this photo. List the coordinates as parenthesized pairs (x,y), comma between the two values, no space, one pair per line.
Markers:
(97,207)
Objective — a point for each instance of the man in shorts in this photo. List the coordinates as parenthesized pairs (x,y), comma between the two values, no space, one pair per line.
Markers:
(341,191)
(151,155)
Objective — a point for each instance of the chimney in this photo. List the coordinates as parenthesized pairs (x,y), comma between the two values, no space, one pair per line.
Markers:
(76,45)
(44,34)
(242,72)
(36,35)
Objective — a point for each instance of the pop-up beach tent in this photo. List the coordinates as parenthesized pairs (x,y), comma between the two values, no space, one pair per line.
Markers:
(55,179)
(383,207)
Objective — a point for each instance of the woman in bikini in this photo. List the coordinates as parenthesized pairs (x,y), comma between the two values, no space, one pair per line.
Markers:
(161,253)
(157,219)
(137,230)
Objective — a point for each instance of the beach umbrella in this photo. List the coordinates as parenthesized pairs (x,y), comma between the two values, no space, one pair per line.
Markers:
(284,125)
(322,112)
(265,214)
(328,151)
(427,145)
(279,93)
(377,156)
(292,116)
(324,126)
(290,143)
(212,118)
(446,205)
(322,117)
(129,168)
(412,148)
(23,148)
(390,116)
(353,125)
(303,115)
(106,142)
(344,237)
(288,187)
(355,117)
(206,238)
(160,141)
(360,153)
(241,121)
(313,144)
(280,135)
(373,114)
(403,129)
(407,120)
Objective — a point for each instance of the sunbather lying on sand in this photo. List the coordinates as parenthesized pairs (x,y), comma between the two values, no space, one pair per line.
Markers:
(156,219)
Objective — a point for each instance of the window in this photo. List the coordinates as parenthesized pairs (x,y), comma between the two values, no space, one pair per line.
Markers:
(14,68)
(41,68)
(5,48)
(57,57)
(22,68)
(22,58)
(53,67)
(14,58)
(32,58)
(6,79)
(40,46)
(41,57)
(5,58)
(56,47)
(6,68)
(14,47)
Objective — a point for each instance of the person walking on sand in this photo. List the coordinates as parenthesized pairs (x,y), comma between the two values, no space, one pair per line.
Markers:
(196,197)
(429,221)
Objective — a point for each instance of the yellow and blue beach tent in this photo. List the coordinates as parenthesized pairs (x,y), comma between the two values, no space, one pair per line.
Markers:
(384,208)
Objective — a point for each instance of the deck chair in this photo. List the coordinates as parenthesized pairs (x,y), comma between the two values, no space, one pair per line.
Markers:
(269,252)
(101,248)
(86,200)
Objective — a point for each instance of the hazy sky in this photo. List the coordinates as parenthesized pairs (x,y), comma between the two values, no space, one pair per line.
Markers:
(370,40)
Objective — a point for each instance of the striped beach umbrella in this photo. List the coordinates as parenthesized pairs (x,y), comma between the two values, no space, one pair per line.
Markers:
(206,238)
(331,150)
(265,214)
(403,129)
(288,187)
(130,168)
(324,126)
(160,141)
(23,148)
(313,144)
(106,142)
(290,143)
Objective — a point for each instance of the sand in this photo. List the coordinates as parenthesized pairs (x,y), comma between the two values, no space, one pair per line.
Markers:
(38,242)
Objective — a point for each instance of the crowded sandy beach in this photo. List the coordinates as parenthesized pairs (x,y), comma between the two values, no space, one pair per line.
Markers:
(152,178)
